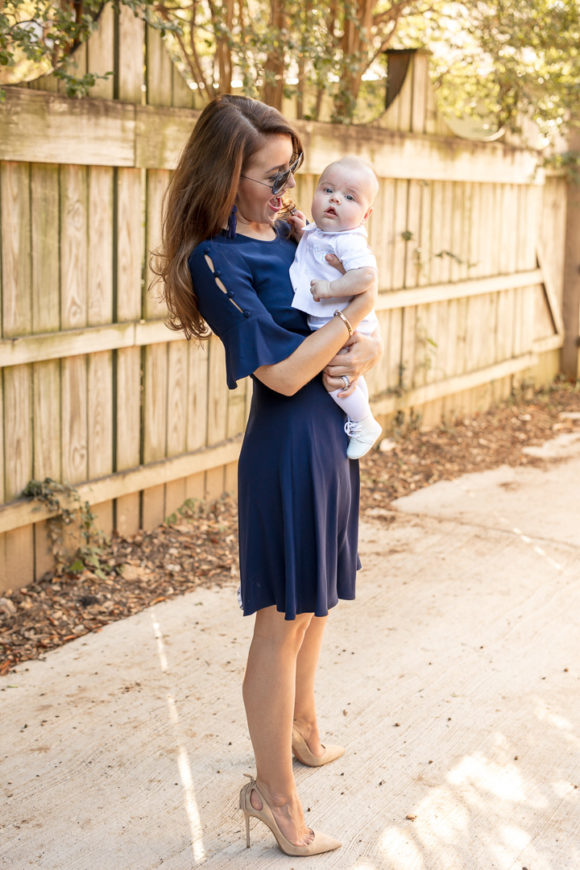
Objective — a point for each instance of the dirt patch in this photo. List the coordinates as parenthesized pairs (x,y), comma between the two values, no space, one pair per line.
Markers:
(201,548)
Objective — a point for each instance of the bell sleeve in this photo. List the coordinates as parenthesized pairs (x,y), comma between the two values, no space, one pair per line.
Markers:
(231,307)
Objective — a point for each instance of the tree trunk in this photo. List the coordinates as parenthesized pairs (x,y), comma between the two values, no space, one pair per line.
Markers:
(222,19)
(355,44)
(273,88)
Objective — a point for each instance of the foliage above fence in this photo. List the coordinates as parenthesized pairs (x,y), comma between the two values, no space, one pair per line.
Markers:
(496,62)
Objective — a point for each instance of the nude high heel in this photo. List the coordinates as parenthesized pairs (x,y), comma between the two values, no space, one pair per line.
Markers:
(302,751)
(320,843)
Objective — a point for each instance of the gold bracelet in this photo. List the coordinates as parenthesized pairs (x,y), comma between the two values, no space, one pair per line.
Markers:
(346,322)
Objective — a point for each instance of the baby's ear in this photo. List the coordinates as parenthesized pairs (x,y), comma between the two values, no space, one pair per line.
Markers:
(367,215)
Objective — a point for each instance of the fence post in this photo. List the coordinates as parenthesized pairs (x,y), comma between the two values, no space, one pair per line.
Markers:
(571,302)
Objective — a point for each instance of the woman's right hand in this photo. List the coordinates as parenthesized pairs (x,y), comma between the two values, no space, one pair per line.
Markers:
(360,353)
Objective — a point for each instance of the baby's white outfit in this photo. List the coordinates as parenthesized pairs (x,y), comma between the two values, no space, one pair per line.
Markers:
(351,248)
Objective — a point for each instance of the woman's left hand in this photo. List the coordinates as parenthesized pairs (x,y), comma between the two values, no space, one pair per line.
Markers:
(359,354)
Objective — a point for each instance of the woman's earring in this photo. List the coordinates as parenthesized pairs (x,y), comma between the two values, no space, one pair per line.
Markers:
(232,223)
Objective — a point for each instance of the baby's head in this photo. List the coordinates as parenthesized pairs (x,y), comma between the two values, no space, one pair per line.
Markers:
(344,195)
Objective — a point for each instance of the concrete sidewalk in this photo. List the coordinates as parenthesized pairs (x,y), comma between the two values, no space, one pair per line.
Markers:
(453,680)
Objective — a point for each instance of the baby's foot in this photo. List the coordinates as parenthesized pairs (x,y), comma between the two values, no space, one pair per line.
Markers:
(362,434)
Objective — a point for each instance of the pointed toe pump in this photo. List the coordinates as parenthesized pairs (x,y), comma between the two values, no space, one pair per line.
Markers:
(303,754)
(321,842)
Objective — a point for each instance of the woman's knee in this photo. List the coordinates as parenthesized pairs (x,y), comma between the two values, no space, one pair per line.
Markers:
(272,625)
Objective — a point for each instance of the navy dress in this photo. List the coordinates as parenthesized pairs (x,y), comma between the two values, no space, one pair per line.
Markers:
(298,494)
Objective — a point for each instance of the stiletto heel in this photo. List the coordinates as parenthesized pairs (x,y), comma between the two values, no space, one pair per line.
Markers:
(302,751)
(320,843)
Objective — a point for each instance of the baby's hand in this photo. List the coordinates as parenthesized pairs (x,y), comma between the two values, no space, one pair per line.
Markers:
(297,220)
(320,290)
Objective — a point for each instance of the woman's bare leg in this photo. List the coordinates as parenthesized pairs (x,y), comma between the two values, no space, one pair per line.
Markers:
(305,706)
(269,692)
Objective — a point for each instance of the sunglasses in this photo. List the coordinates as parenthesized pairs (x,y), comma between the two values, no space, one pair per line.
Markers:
(281,179)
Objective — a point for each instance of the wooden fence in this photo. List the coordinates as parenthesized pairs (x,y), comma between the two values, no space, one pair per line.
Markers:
(95,391)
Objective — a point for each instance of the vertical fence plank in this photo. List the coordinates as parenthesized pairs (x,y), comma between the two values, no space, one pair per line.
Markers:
(197,404)
(408,342)
(44,194)
(534,206)
(404,101)
(18,446)
(16,320)
(458,265)
(476,227)
(528,296)
(45,318)
(177,397)
(513,215)
(74,235)
(521,226)
(130,74)
(74,221)
(47,421)
(101,53)
(177,401)
(157,181)
(503,218)
(236,412)
(393,350)
(424,249)
(47,440)
(128,433)
(130,243)
(158,70)
(78,65)
(437,233)
(100,421)
(100,246)
(182,95)
(449,338)
(382,239)
(217,413)
(130,248)
(100,310)
(154,427)
(420,86)
(503,331)
(18,442)
(74,420)
(399,248)
(155,357)
(15,249)
(450,245)
(413,231)
(217,396)
(155,404)
(435,332)
(497,201)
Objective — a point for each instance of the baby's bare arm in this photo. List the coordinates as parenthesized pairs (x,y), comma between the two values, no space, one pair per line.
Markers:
(352,283)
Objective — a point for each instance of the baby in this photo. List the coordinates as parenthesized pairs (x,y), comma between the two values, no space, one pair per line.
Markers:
(340,207)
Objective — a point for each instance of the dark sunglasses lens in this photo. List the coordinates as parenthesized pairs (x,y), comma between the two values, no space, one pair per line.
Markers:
(280,182)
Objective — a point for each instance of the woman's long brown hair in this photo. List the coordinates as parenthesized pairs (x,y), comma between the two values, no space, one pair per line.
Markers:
(202,192)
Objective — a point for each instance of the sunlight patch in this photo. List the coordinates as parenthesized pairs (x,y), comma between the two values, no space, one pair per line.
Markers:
(402,853)
(503,781)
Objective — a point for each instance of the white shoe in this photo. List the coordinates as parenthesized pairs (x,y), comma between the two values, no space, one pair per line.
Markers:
(363,435)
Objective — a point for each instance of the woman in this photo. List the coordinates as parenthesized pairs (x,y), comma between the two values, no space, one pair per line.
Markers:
(225,262)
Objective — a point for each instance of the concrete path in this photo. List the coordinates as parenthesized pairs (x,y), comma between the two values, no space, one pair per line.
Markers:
(453,680)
